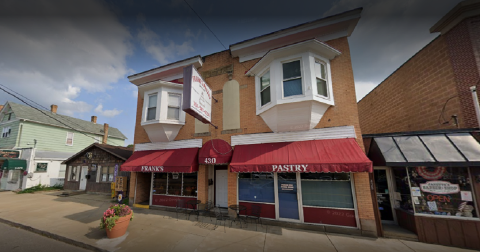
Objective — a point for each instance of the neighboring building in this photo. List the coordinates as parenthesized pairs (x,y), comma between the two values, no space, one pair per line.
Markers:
(43,142)
(420,129)
(94,168)
(288,137)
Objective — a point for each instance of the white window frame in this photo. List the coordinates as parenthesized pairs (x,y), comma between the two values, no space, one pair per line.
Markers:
(179,105)
(66,139)
(269,86)
(327,84)
(147,107)
(6,131)
(301,77)
(61,171)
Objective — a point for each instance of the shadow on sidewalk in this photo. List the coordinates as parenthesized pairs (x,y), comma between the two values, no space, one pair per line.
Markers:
(87,216)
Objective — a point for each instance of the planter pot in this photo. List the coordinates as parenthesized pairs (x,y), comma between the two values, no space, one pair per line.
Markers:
(120,227)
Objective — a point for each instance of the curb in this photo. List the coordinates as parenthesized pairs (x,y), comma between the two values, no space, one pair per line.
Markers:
(53,236)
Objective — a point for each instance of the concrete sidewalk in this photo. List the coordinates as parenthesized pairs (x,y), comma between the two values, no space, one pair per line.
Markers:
(76,220)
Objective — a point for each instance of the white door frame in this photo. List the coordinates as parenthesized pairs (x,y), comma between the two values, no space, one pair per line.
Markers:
(299,199)
(83,180)
(391,191)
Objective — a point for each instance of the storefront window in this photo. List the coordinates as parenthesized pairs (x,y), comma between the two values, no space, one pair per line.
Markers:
(442,191)
(402,195)
(160,183)
(180,184)
(257,187)
(327,190)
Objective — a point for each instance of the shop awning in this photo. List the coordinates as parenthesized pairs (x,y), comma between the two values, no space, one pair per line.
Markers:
(177,160)
(332,155)
(450,149)
(215,151)
(14,164)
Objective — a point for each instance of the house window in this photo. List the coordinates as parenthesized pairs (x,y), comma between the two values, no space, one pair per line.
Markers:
(292,79)
(173,112)
(13,176)
(321,77)
(97,139)
(152,107)
(41,167)
(73,173)
(69,139)
(107,173)
(6,132)
(61,172)
(179,184)
(265,88)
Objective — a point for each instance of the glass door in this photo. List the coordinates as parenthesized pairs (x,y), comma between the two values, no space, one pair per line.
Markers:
(287,196)
(383,195)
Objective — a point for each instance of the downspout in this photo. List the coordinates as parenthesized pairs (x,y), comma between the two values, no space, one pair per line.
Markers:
(19,138)
(475,103)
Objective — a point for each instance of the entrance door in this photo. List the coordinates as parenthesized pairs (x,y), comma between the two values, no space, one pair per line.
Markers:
(83,180)
(383,195)
(287,196)
(221,188)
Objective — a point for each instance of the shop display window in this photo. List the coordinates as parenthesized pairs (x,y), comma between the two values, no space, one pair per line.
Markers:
(178,184)
(442,191)
(327,190)
(403,199)
(256,187)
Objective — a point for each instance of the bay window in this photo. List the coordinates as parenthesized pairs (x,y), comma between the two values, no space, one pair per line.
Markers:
(265,88)
(152,107)
(292,79)
(176,184)
(327,190)
(173,106)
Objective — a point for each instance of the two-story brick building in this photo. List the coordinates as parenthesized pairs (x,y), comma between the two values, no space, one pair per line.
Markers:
(421,130)
(287,137)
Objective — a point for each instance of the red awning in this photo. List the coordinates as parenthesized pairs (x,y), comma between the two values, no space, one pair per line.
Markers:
(332,155)
(178,160)
(215,151)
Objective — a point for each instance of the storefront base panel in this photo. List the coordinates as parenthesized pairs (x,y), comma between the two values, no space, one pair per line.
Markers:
(268,210)
(448,232)
(328,216)
(169,201)
(406,220)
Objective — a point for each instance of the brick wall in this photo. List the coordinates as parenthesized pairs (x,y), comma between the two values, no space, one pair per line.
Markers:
(202,190)
(413,96)
(143,182)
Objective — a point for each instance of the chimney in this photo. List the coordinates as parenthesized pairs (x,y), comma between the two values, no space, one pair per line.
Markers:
(94,119)
(53,108)
(105,133)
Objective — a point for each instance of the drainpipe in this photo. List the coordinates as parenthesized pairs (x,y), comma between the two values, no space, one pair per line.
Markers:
(475,103)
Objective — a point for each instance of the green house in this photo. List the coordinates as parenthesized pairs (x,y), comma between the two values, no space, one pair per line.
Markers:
(44,139)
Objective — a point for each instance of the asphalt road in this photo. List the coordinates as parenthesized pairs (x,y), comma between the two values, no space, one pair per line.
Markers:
(19,240)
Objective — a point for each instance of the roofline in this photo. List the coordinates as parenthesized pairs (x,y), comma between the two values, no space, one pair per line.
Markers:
(359,10)
(90,146)
(422,132)
(135,76)
(461,11)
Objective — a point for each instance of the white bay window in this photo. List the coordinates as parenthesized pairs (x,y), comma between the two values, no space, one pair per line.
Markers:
(173,112)
(152,107)
(292,79)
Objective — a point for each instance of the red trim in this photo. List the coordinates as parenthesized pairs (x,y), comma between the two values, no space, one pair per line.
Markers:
(215,151)
(268,210)
(329,216)
(178,160)
(169,201)
(332,155)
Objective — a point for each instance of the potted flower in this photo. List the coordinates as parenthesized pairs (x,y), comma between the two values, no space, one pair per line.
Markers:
(115,220)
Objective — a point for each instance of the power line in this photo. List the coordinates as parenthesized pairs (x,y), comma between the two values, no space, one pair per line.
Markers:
(41,111)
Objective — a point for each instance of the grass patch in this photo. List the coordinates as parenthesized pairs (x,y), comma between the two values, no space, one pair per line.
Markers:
(39,188)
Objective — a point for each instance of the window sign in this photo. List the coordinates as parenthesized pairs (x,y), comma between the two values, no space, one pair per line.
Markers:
(197,95)
(42,167)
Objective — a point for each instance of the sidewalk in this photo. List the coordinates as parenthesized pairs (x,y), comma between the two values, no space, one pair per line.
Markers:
(76,219)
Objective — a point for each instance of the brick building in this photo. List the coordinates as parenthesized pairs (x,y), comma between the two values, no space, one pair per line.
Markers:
(287,139)
(420,127)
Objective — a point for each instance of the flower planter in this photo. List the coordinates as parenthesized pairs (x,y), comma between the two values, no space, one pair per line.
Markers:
(120,227)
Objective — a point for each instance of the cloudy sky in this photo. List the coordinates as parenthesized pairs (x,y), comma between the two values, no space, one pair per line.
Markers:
(78,54)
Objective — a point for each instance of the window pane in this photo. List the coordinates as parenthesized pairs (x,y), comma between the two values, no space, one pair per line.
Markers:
(327,193)
(105,169)
(173,113)
(152,101)
(256,187)
(291,70)
(111,170)
(320,70)
(322,87)
(292,87)
(159,183)
(265,96)
(190,184)
(265,80)
(324,76)
(151,113)
(173,100)
(174,184)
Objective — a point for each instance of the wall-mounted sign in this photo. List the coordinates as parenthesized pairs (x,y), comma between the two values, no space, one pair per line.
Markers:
(197,95)
(42,167)
(9,153)
(440,187)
